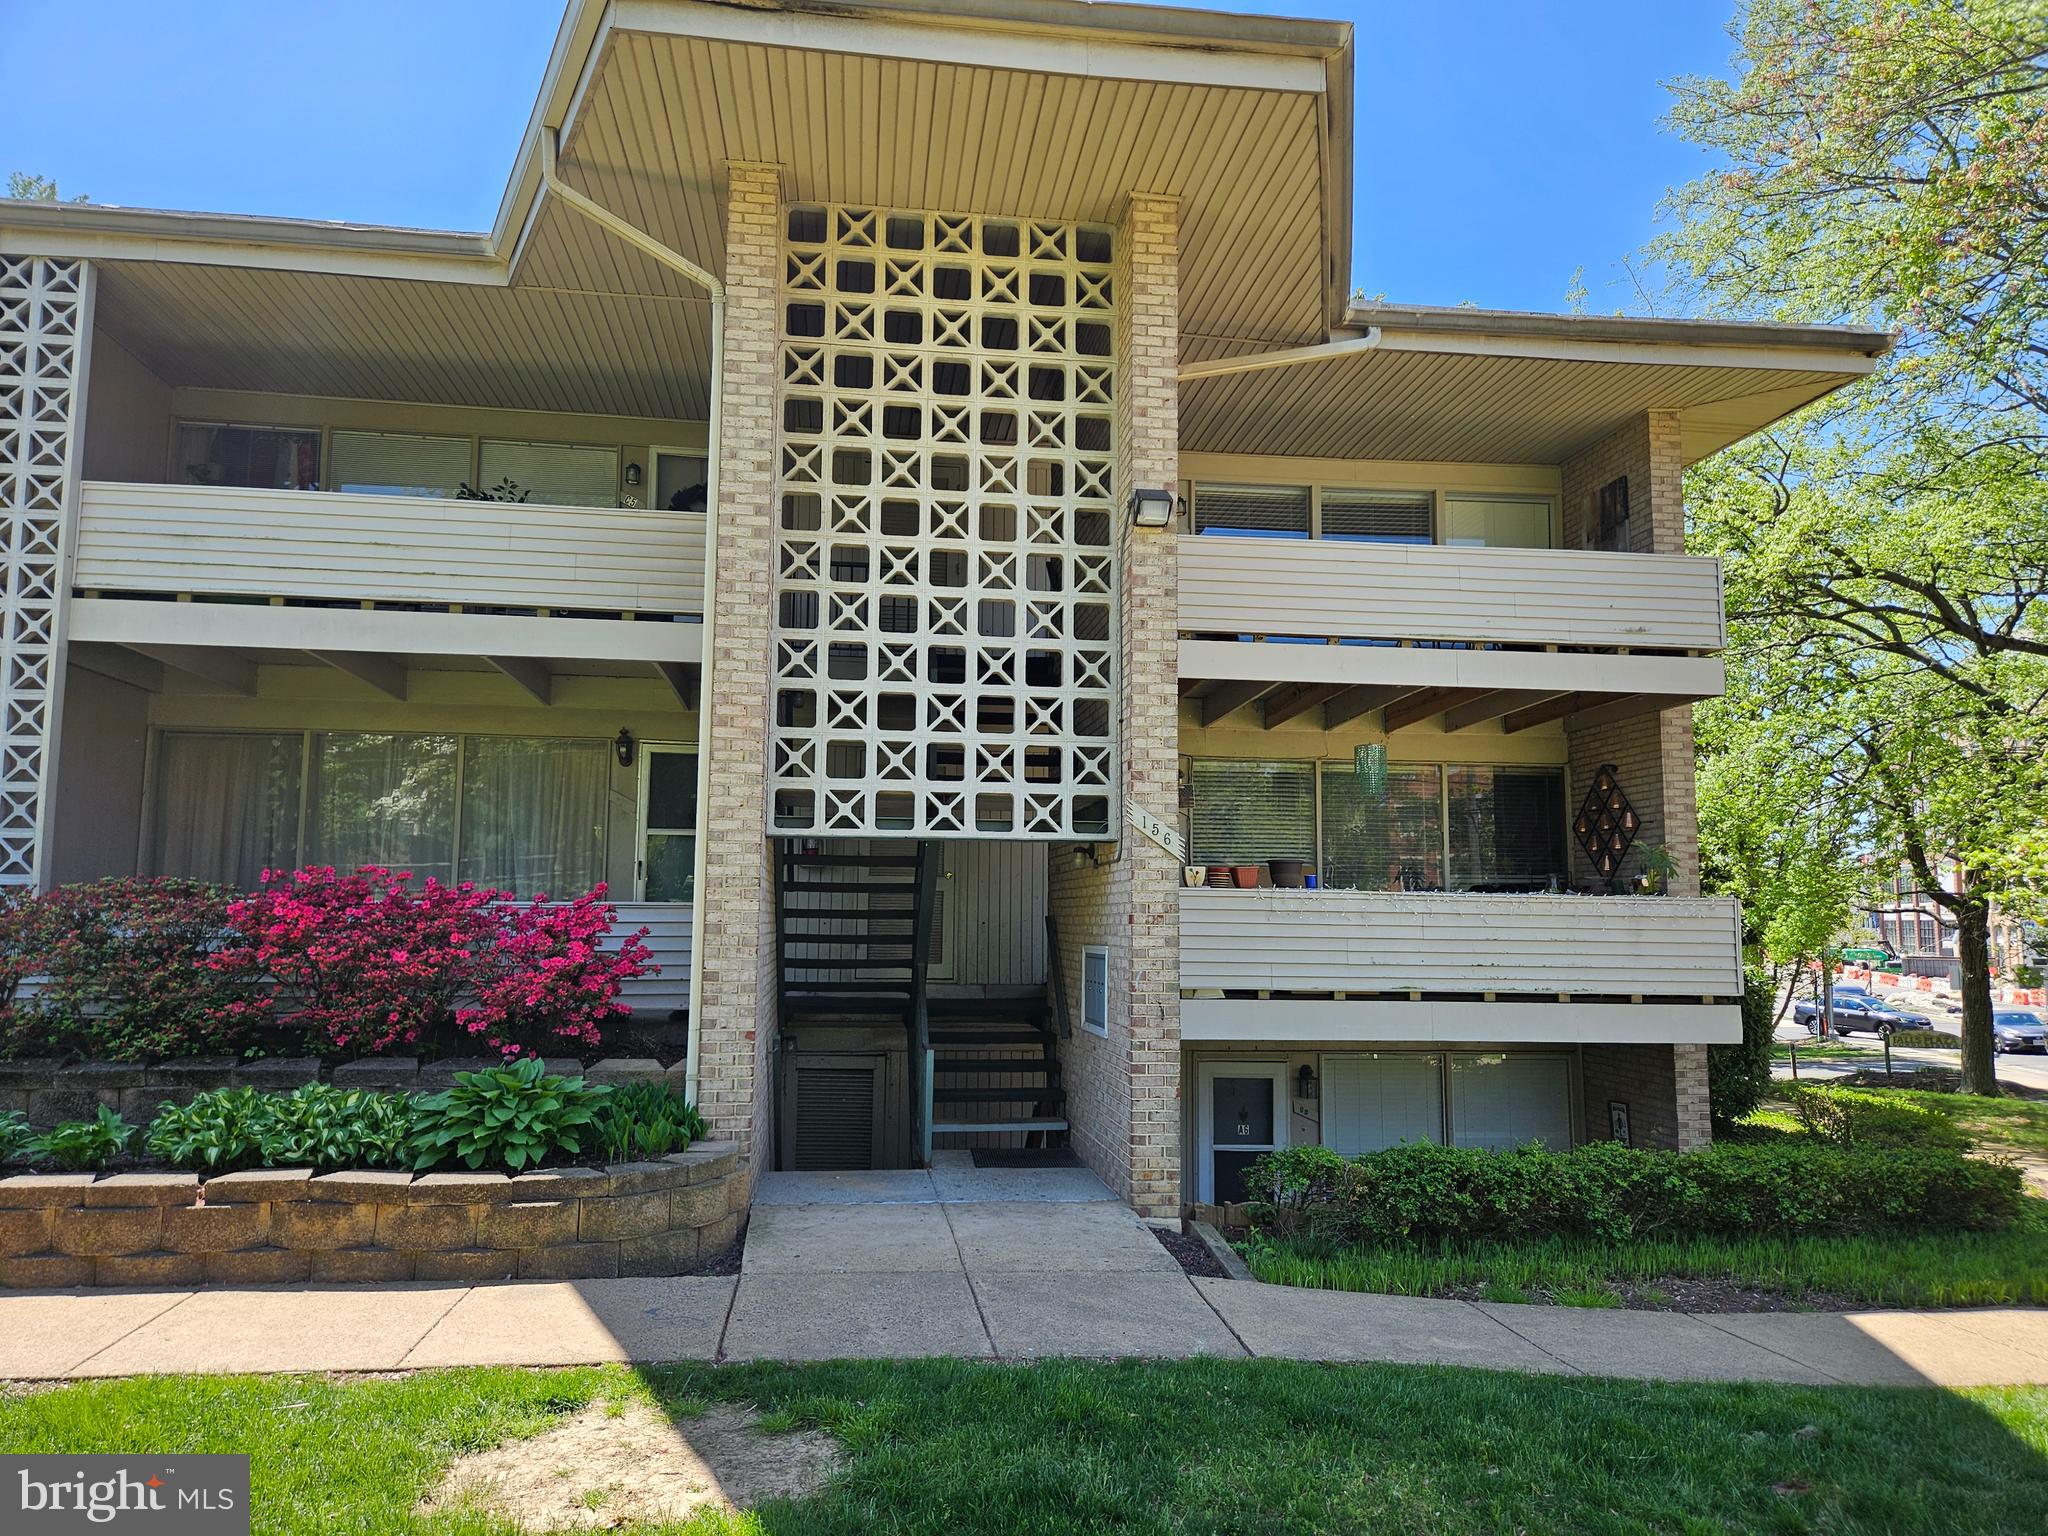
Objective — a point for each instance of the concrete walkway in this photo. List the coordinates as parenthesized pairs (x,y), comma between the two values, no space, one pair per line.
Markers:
(981,1264)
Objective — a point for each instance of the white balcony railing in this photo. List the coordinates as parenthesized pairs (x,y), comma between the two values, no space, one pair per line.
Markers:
(668,936)
(211,541)
(1330,589)
(1462,943)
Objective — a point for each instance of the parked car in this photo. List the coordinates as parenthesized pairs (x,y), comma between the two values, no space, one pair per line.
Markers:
(2015,1029)
(1858,1012)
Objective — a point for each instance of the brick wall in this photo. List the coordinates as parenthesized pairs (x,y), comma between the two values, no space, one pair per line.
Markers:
(1652,754)
(1664,1086)
(1124,1091)
(736,1029)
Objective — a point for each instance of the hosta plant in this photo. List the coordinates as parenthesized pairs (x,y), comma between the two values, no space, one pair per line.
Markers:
(514,1116)
(319,1125)
(80,1145)
(646,1120)
(14,1133)
(214,1133)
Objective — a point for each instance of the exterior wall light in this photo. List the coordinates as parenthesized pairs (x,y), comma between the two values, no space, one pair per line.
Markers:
(633,475)
(1305,1085)
(1152,508)
(623,747)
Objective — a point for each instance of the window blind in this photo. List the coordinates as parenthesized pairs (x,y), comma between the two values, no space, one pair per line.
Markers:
(1373,1100)
(552,474)
(1259,511)
(1095,990)
(1384,842)
(1377,517)
(1248,812)
(1506,827)
(1499,1102)
(397,463)
(1502,522)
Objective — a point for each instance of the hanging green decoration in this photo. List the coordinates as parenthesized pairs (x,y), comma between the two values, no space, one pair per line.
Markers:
(1370,762)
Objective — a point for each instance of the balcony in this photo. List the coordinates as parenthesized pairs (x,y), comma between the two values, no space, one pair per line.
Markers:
(1388,965)
(1474,635)
(208,542)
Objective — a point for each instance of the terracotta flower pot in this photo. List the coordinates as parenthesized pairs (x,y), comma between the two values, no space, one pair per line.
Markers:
(1219,876)
(1246,876)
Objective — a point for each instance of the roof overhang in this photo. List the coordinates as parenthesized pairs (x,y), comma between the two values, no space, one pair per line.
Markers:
(1481,386)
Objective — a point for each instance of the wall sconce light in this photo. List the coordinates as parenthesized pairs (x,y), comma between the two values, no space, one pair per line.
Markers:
(633,475)
(1152,508)
(1305,1084)
(623,747)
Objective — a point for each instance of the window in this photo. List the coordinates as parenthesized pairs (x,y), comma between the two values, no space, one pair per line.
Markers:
(552,474)
(1255,511)
(1377,517)
(1510,1099)
(397,463)
(256,458)
(534,813)
(1095,989)
(1248,812)
(1501,522)
(1927,946)
(681,481)
(1383,841)
(387,800)
(1506,828)
(227,805)
(1380,1099)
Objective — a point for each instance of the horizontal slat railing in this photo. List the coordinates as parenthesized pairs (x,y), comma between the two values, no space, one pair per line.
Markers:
(1436,943)
(219,541)
(1330,589)
(668,935)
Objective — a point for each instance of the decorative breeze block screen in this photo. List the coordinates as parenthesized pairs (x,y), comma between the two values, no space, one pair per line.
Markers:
(946,584)
(43,318)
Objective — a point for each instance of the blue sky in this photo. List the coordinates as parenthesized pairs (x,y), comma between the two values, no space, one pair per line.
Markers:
(1501,143)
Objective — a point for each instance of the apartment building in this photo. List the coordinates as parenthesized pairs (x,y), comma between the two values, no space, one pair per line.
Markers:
(902,494)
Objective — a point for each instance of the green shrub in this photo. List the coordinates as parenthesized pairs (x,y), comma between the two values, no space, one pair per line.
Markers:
(1739,1075)
(14,1133)
(214,1133)
(1850,1117)
(318,1125)
(1430,1194)
(514,1116)
(80,1145)
(1928,1039)
(646,1120)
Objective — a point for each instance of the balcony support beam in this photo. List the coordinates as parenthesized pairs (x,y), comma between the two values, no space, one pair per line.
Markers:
(1431,701)
(228,670)
(1227,696)
(1295,699)
(384,673)
(1347,704)
(121,664)
(1609,711)
(1554,708)
(529,674)
(682,681)
(1492,706)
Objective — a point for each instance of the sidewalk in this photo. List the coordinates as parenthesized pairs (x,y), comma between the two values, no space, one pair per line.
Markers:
(994,1314)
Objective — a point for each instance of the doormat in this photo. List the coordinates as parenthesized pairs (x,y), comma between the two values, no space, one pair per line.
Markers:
(1025,1157)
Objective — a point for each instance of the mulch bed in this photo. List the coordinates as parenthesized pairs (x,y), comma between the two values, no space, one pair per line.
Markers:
(1193,1254)
(726,1261)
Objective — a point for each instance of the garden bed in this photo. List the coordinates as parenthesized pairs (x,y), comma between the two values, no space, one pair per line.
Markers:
(268,1226)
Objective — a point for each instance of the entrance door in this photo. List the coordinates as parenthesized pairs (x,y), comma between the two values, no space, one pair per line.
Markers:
(1244,1114)
(667,866)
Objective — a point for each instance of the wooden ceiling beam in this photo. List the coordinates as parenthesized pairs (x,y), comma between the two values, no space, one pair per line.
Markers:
(529,674)
(1295,699)
(1227,696)
(384,673)
(1627,707)
(1349,703)
(1554,708)
(1429,702)
(1492,706)
(228,670)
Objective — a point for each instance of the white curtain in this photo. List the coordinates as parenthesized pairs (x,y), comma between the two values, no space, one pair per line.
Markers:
(534,814)
(227,806)
(383,799)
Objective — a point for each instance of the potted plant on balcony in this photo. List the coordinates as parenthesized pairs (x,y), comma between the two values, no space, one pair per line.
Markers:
(1658,868)
(1285,873)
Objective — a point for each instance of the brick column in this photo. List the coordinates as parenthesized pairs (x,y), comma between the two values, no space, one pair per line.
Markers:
(736,1013)
(1125,1090)
(1652,753)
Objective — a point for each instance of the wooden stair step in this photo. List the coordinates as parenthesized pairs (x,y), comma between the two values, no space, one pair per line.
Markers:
(855,860)
(1050,1094)
(996,1064)
(879,985)
(987,1127)
(847,888)
(984,1037)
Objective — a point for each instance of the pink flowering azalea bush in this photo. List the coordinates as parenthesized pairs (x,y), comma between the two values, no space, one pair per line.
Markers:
(368,962)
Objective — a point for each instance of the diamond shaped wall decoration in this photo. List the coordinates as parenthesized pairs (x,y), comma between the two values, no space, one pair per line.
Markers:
(1607,824)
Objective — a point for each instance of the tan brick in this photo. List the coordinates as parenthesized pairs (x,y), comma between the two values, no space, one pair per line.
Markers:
(361,1266)
(570,1261)
(698,1205)
(215,1228)
(718,1237)
(526,1224)
(144,1189)
(459,1188)
(645,1178)
(31,1191)
(104,1230)
(468,1266)
(24,1231)
(427,1226)
(258,1266)
(361,1184)
(609,1219)
(179,1269)
(660,1253)
(272,1184)
(45,1272)
(319,1224)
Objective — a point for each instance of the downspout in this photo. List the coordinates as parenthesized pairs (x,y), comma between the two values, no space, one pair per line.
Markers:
(675,261)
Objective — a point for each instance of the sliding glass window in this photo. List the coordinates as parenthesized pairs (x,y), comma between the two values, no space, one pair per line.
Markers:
(382,799)
(1248,812)
(1383,839)
(227,805)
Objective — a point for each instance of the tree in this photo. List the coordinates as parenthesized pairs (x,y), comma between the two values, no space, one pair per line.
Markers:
(28,188)
(1886,163)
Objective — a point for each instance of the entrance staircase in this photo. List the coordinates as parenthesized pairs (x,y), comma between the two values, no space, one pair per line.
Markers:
(997,1051)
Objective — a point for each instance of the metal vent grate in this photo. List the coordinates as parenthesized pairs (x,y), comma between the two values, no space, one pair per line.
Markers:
(835,1117)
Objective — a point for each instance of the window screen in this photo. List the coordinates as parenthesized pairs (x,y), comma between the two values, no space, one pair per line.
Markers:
(381,799)
(227,805)
(552,474)
(1095,989)
(1380,1099)
(1377,517)
(1389,841)
(1259,511)
(1248,812)
(1506,828)
(397,463)
(258,458)
(1504,522)
(1509,1100)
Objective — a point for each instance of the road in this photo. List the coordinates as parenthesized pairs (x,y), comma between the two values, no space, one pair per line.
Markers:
(2021,1071)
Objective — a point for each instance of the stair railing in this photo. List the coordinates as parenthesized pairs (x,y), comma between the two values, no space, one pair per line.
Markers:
(920,1020)
(1057,969)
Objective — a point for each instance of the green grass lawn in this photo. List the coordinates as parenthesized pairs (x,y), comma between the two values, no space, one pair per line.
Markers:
(1264,1446)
